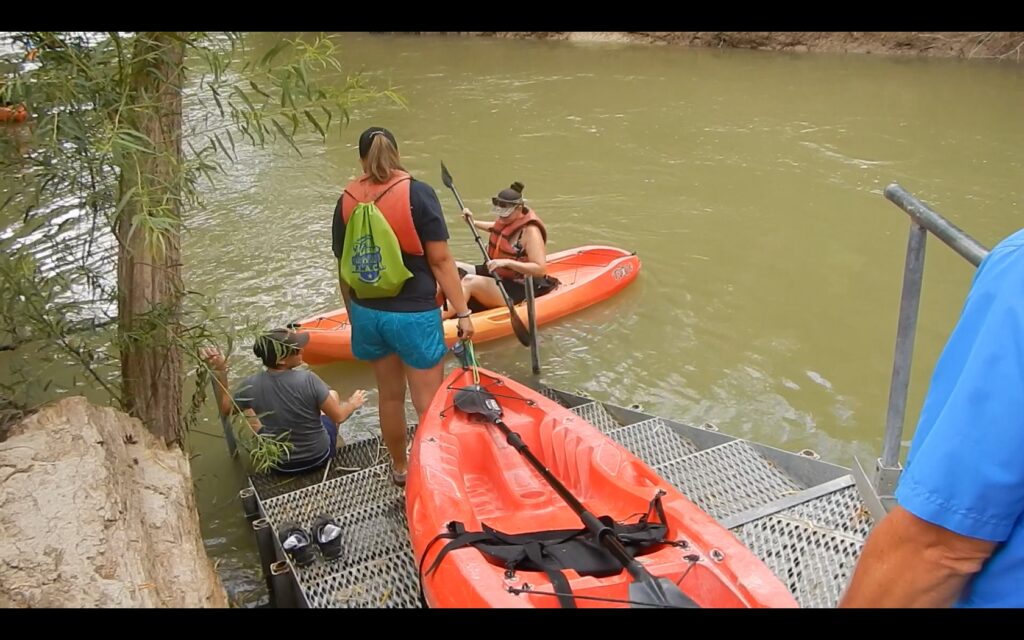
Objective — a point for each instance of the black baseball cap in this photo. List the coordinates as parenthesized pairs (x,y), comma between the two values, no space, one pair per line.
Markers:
(366,139)
(280,343)
(508,199)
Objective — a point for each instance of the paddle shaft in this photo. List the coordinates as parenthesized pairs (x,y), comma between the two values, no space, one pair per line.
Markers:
(476,236)
(604,533)
(483,250)
(522,333)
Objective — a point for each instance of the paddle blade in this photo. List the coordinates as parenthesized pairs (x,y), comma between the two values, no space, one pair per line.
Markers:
(474,399)
(522,333)
(446,177)
(660,593)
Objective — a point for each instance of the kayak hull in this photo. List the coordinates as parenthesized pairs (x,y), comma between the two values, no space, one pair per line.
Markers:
(587,275)
(463,469)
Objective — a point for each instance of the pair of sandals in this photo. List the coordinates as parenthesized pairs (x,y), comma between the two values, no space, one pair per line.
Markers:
(298,543)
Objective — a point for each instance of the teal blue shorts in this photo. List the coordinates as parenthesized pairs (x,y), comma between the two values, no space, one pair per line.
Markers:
(417,337)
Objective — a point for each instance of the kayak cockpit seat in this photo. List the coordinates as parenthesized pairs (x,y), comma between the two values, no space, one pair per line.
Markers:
(558,551)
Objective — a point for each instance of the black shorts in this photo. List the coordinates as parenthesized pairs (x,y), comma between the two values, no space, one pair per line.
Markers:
(517,288)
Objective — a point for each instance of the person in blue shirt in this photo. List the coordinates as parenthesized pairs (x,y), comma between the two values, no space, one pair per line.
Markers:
(956,536)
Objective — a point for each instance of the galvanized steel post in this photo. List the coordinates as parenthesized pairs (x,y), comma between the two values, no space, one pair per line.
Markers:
(531,311)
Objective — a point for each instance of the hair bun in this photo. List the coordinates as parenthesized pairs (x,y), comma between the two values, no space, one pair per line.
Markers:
(517,187)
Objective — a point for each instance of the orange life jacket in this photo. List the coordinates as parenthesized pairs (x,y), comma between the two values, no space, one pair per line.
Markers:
(500,245)
(392,198)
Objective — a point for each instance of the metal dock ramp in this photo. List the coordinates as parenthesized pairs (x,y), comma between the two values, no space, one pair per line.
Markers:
(803,517)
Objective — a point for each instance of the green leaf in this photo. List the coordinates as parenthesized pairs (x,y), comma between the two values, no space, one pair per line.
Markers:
(329,116)
(244,97)
(216,98)
(269,56)
(316,125)
(287,137)
(222,147)
(261,130)
(286,91)
(125,141)
(124,200)
(256,88)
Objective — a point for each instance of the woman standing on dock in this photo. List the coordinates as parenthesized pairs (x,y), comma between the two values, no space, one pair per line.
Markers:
(401,333)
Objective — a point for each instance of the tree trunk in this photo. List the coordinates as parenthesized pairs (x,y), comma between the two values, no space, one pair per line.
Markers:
(148,230)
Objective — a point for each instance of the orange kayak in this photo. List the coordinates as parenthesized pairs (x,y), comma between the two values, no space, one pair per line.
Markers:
(586,274)
(465,476)
(14,113)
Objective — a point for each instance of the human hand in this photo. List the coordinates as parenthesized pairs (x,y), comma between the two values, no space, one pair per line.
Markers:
(466,329)
(498,264)
(357,398)
(214,357)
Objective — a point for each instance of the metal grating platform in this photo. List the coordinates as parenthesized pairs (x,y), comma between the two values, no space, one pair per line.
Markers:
(371,512)
(548,392)
(359,454)
(810,537)
(388,582)
(728,479)
(597,415)
(812,547)
(653,441)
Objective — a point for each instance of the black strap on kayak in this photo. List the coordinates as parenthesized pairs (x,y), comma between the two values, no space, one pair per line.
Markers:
(553,551)
(536,553)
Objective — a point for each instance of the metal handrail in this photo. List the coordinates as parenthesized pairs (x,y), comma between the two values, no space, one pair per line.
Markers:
(923,220)
(973,251)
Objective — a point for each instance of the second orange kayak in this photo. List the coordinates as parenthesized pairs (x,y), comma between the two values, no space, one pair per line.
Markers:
(587,275)
(489,530)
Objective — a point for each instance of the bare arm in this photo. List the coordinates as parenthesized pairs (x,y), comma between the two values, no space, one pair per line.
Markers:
(253,420)
(536,255)
(339,412)
(447,275)
(218,363)
(909,562)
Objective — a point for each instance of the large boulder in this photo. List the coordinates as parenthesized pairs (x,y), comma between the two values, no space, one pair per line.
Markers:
(97,512)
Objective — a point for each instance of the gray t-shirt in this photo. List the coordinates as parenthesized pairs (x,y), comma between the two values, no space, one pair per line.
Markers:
(288,401)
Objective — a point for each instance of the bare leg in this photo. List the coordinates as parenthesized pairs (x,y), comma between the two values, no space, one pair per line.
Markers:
(391,405)
(423,385)
(450,313)
(484,290)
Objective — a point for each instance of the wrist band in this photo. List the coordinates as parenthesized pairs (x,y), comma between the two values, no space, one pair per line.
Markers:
(460,316)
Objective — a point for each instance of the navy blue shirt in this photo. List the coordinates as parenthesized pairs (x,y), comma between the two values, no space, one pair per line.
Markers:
(419,293)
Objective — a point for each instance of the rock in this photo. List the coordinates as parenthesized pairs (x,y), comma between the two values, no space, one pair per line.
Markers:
(97,512)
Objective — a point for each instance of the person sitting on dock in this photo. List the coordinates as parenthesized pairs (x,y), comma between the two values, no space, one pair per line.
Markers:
(283,399)
(956,535)
(516,248)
